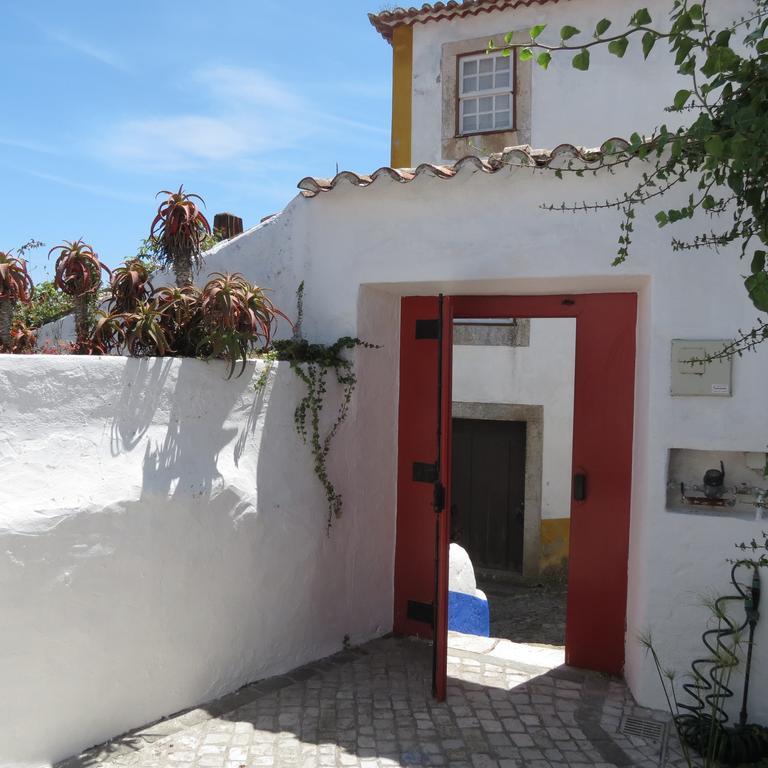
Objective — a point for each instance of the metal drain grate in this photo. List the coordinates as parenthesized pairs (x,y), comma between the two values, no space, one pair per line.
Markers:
(651,730)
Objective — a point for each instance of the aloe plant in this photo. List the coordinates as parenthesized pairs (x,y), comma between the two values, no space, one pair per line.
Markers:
(180,315)
(180,231)
(145,333)
(78,274)
(23,339)
(237,317)
(129,285)
(15,285)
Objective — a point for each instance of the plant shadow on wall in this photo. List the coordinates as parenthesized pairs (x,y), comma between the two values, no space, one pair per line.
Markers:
(185,462)
(699,707)
(142,387)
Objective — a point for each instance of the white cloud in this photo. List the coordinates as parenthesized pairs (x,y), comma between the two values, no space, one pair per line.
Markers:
(172,141)
(31,146)
(86,49)
(92,189)
(247,115)
(237,86)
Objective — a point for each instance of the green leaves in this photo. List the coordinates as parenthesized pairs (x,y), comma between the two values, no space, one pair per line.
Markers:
(618,47)
(649,40)
(719,154)
(757,287)
(714,146)
(581,60)
(640,18)
(567,32)
(537,30)
(602,27)
(681,97)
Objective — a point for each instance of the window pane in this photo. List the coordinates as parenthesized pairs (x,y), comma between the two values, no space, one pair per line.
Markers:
(469,84)
(486,65)
(503,120)
(469,106)
(502,79)
(486,104)
(502,63)
(502,103)
(469,124)
(486,83)
(486,122)
(470,67)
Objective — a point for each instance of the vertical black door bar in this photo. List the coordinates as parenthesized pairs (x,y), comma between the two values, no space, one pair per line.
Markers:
(439,491)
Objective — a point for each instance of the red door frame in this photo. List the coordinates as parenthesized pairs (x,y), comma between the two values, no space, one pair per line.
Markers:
(602,449)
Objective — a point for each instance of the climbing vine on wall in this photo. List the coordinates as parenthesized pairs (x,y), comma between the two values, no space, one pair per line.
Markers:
(314,364)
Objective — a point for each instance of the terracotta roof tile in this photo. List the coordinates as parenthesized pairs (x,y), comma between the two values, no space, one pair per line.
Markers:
(562,156)
(386,21)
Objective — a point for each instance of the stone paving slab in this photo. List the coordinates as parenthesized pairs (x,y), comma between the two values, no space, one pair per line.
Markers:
(372,707)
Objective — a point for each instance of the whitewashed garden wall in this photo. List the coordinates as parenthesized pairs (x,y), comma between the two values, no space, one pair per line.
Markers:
(162,542)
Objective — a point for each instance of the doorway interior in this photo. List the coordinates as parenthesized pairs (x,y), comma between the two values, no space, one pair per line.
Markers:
(512,428)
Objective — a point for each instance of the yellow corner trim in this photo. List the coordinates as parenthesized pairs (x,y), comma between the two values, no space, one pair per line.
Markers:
(402,89)
(555,542)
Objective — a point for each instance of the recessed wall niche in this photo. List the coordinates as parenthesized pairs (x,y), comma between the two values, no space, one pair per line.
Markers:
(721,483)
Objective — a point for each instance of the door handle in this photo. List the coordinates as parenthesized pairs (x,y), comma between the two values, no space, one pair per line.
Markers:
(580,486)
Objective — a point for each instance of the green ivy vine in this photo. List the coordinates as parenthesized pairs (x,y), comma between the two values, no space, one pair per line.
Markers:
(313,363)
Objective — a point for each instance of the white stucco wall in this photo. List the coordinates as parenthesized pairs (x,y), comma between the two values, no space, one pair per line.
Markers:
(615,98)
(358,248)
(162,542)
(539,374)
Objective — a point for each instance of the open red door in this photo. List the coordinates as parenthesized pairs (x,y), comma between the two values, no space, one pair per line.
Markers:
(424,461)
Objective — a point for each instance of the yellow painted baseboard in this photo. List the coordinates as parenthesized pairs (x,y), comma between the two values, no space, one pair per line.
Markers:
(555,542)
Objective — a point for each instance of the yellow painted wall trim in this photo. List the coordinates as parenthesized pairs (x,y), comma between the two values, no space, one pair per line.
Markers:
(555,542)
(402,92)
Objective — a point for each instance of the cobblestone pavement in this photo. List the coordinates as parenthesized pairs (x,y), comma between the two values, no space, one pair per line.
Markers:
(526,611)
(371,707)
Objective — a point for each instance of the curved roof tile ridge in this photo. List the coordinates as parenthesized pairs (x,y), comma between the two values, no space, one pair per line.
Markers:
(386,21)
(561,156)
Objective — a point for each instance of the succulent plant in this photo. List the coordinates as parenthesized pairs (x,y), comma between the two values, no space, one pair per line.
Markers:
(78,274)
(180,231)
(15,285)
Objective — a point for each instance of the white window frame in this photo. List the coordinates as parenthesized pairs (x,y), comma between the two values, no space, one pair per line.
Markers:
(462,97)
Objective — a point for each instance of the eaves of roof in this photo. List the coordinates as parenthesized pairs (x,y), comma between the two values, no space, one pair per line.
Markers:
(386,21)
(562,156)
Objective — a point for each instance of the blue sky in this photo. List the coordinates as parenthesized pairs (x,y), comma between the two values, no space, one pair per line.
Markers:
(105,103)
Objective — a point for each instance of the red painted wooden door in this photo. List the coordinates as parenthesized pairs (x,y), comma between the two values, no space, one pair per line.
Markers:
(422,540)
(602,452)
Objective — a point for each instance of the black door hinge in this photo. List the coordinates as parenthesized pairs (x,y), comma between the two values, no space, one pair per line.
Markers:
(423,612)
(428,329)
(424,472)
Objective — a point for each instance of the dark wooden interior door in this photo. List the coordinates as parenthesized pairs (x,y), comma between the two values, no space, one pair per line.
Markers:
(488,491)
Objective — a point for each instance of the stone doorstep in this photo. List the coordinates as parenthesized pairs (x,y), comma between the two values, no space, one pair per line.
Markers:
(130,742)
(494,650)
